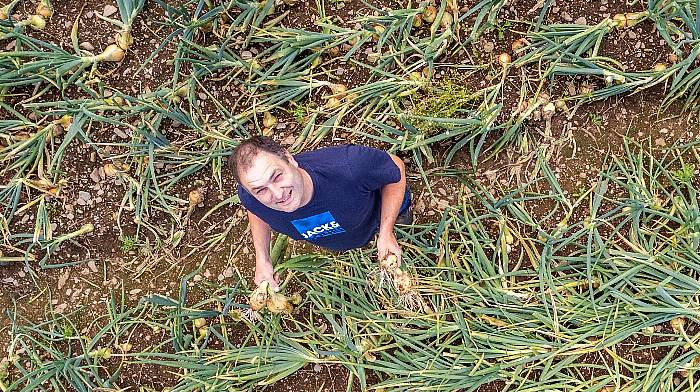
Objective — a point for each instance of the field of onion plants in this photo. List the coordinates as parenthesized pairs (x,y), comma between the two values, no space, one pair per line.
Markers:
(552,148)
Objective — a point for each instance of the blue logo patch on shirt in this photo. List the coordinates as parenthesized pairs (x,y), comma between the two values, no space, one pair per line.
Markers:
(317,226)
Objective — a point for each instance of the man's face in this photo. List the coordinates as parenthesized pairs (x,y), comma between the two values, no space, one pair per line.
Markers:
(276,183)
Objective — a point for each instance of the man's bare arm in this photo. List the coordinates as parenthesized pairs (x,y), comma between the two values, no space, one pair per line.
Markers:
(392,197)
(262,234)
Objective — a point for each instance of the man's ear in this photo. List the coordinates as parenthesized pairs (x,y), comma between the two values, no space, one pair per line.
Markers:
(291,159)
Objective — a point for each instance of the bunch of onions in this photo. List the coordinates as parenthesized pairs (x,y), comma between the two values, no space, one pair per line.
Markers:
(264,296)
(401,280)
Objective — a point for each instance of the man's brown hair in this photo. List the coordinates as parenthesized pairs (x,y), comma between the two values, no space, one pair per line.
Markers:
(243,154)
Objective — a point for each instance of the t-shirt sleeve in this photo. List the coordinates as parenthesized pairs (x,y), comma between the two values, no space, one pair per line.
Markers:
(372,168)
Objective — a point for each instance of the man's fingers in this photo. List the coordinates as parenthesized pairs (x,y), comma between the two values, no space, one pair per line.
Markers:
(276,285)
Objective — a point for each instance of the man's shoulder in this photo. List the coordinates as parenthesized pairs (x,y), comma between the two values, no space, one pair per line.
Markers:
(345,153)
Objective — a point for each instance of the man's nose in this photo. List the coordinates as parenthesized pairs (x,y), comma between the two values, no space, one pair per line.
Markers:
(277,192)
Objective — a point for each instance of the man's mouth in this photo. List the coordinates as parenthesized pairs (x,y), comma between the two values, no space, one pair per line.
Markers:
(287,198)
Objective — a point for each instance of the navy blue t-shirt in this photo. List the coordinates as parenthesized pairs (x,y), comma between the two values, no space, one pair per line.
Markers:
(344,211)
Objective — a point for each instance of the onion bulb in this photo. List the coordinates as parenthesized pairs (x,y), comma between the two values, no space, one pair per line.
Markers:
(37,22)
(677,324)
(378,30)
(332,103)
(45,9)
(65,121)
(269,120)
(390,263)
(446,20)
(124,39)
(110,170)
(518,44)
(548,110)
(673,58)
(278,303)
(295,299)
(417,21)
(195,197)
(111,53)
(504,59)
(339,89)
(258,298)
(619,21)
(124,347)
(659,67)
(430,13)
(402,282)
(101,353)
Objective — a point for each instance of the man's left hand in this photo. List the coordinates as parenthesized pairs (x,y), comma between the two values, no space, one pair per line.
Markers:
(386,244)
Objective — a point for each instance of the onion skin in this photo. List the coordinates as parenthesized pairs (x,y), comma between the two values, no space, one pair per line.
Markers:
(195,197)
(504,59)
(124,39)
(278,303)
(36,22)
(269,120)
(112,53)
(45,9)
(390,263)
(430,14)
(333,103)
(518,45)
(258,298)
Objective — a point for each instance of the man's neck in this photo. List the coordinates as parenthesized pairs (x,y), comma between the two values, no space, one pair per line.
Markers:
(308,187)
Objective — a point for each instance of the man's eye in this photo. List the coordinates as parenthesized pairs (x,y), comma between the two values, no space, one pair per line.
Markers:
(278,177)
(260,191)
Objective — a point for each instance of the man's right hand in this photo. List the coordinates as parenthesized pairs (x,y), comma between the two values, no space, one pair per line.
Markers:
(265,271)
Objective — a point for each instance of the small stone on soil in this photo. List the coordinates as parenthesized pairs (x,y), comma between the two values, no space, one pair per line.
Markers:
(87,46)
(109,10)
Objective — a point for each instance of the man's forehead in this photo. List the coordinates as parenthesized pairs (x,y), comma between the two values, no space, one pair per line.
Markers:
(261,167)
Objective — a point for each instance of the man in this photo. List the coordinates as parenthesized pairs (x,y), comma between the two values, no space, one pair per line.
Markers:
(336,197)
